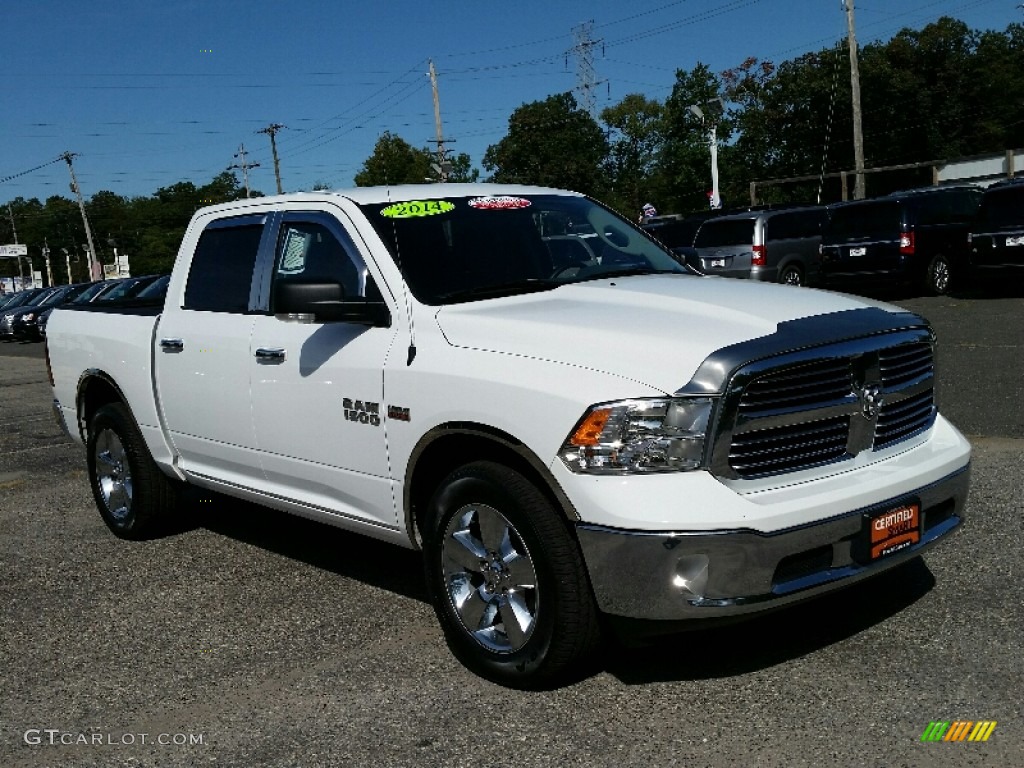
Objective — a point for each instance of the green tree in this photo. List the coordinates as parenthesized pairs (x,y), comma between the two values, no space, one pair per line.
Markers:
(636,124)
(684,163)
(394,161)
(551,143)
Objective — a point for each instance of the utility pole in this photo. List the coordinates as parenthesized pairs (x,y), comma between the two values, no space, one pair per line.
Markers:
(858,134)
(46,257)
(271,130)
(93,263)
(245,166)
(586,76)
(21,273)
(442,166)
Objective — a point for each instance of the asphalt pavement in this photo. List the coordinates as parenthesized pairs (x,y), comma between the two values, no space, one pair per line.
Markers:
(252,638)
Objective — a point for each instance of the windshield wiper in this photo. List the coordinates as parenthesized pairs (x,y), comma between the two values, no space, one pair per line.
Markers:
(530,285)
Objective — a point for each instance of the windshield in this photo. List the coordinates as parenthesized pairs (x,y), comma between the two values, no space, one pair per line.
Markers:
(461,249)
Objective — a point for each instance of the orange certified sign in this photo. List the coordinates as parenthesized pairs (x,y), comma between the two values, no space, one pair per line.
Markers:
(895,530)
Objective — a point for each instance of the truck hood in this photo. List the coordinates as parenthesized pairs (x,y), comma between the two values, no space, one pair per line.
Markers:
(652,329)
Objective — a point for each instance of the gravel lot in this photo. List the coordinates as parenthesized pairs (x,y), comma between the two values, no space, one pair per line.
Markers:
(260,639)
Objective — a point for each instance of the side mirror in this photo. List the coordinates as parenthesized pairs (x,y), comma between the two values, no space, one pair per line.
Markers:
(325,302)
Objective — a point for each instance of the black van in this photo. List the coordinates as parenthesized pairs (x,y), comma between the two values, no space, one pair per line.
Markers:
(997,237)
(916,238)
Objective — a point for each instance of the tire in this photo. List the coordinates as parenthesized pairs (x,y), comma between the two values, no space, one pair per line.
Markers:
(133,496)
(938,277)
(791,274)
(507,579)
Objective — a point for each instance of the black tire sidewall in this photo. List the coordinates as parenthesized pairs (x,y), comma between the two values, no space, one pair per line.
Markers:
(116,418)
(479,484)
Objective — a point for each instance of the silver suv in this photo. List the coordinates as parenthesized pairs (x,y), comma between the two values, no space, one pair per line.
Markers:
(773,246)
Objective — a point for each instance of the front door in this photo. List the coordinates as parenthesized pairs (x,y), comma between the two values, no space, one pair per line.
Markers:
(318,388)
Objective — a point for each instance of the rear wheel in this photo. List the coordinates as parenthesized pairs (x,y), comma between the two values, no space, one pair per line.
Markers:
(133,496)
(507,579)
(791,274)
(938,278)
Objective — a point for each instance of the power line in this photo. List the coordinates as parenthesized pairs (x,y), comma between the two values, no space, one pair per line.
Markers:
(31,170)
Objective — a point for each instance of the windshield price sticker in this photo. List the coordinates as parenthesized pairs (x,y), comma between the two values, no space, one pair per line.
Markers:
(413,208)
(502,203)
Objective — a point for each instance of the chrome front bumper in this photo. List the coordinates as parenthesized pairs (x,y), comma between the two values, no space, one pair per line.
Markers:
(679,575)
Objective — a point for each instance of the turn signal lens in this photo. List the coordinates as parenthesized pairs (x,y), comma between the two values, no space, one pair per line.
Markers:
(589,432)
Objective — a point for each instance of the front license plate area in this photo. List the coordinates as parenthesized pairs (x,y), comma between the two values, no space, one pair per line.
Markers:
(886,533)
(1014,241)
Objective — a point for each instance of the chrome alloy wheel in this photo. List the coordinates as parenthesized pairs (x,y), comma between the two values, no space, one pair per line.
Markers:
(940,276)
(113,475)
(490,578)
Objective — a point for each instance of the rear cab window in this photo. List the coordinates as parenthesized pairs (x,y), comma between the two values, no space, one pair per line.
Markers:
(220,277)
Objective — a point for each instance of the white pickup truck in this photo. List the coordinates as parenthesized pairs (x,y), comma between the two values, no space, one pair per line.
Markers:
(531,390)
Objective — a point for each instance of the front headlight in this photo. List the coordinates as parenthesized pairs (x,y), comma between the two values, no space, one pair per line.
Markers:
(637,436)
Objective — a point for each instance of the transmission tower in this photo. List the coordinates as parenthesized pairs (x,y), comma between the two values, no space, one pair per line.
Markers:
(586,76)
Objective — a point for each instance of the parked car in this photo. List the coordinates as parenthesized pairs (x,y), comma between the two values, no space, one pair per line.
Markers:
(915,239)
(997,234)
(126,288)
(779,245)
(11,311)
(25,324)
(675,230)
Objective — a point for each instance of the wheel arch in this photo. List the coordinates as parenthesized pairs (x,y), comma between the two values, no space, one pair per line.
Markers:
(96,388)
(448,446)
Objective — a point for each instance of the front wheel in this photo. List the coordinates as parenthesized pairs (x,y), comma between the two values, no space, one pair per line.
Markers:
(507,579)
(133,496)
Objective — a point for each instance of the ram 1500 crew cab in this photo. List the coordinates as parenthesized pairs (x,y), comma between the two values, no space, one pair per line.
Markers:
(531,390)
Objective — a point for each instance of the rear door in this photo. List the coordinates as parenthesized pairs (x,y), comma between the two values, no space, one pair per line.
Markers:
(318,388)
(202,354)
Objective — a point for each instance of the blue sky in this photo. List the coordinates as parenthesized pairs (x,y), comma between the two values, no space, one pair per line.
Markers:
(152,93)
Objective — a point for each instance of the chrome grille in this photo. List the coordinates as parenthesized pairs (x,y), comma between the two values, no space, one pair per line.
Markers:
(904,364)
(825,405)
(904,419)
(784,449)
(808,386)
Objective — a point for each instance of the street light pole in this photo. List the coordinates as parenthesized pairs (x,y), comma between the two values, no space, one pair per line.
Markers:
(716,199)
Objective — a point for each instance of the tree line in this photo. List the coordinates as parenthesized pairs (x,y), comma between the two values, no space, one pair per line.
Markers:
(938,93)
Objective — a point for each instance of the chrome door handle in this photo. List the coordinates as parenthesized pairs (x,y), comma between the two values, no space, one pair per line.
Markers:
(265,355)
(172,345)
